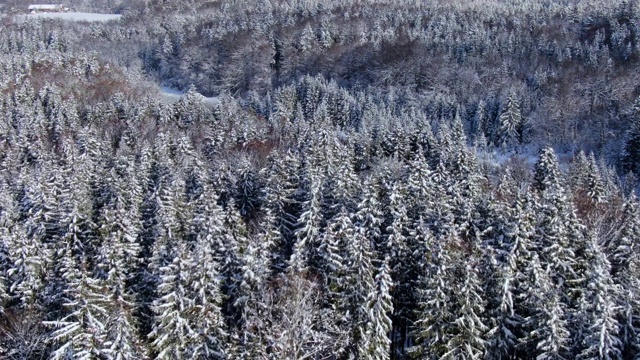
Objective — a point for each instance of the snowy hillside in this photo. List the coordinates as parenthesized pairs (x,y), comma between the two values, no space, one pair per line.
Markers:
(73,16)
(321,180)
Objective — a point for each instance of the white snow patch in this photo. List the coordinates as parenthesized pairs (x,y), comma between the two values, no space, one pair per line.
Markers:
(73,16)
(165,90)
(172,95)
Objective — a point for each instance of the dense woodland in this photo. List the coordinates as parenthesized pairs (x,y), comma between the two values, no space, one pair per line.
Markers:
(371,180)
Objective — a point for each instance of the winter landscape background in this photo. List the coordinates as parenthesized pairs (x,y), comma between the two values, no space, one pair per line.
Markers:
(363,179)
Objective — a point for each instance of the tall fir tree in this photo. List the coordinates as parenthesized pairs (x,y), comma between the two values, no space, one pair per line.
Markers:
(598,311)
(82,332)
(378,327)
(511,127)
(549,337)
(630,156)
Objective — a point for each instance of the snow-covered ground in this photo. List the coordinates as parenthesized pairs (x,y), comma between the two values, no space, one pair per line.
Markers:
(172,95)
(73,16)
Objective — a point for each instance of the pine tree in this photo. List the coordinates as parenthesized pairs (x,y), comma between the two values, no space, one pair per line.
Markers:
(578,171)
(511,122)
(598,311)
(404,249)
(368,216)
(340,231)
(433,328)
(508,285)
(359,284)
(82,333)
(27,265)
(549,337)
(207,322)
(594,184)
(308,40)
(282,184)
(622,247)
(117,261)
(630,157)
(378,325)
(419,186)
(172,333)
(625,268)
(171,227)
(467,341)
(479,121)
(547,173)
(559,236)
(230,247)
(304,253)
(8,219)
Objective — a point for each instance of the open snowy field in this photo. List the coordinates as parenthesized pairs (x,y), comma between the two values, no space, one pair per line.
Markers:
(73,16)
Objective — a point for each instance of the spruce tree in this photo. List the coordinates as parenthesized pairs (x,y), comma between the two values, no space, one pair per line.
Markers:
(467,340)
(511,123)
(508,279)
(82,332)
(630,157)
(172,332)
(117,261)
(434,324)
(622,247)
(549,337)
(304,252)
(359,284)
(546,172)
(598,310)
(27,265)
(378,325)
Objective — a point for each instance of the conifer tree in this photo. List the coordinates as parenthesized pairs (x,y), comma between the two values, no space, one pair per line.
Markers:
(368,216)
(622,247)
(172,332)
(359,284)
(511,122)
(281,193)
(433,328)
(594,184)
(630,157)
(549,337)
(27,265)
(205,289)
(419,186)
(578,171)
(304,252)
(508,283)
(598,310)
(625,268)
(117,260)
(559,236)
(467,340)
(479,121)
(378,325)
(546,173)
(340,231)
(82,332)
(229,249)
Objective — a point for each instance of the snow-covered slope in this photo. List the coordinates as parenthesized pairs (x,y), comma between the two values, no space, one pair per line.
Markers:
(73,16)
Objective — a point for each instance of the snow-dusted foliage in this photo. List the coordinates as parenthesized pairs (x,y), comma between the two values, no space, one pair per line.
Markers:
(331,180)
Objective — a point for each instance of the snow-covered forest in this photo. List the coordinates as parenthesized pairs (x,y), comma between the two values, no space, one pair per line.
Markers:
(363,179)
